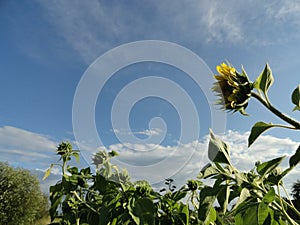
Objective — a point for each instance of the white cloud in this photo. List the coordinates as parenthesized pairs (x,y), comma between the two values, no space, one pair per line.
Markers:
(149,132)
(29,150)
(24,147)
(137,157)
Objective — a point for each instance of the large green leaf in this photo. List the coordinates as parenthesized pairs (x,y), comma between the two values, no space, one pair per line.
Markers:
(218,151)
(270,196)
(257,130)
(295,159)
(208,196)
(263,214)
(296,98)
(208,171)
(185,214)
(264,80)
(245,193)
(268,166)
(223,197)
(238,219)
(144,209)
(104,215)
(212,216)
(249,216)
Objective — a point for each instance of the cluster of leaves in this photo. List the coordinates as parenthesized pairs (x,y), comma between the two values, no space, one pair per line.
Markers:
(109,197)
(21,200)
(243,198)
(255,195)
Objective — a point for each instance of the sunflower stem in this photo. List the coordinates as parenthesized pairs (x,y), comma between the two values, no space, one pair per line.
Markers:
(282,116)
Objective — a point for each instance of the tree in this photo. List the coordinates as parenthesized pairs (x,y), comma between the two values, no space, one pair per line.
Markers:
(296,200)
(296,190)
(21,199)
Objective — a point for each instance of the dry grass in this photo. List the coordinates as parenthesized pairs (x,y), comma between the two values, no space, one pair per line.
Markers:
(44,221)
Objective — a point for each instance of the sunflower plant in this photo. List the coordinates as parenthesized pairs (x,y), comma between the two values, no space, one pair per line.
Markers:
(108,196)
(257,194)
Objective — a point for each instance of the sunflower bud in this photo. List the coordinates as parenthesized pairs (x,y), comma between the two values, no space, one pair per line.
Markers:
(233,88)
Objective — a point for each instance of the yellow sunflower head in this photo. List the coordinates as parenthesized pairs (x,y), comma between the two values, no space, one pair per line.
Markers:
(233,88)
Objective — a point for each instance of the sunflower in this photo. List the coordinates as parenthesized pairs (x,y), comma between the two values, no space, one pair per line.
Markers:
(233,88)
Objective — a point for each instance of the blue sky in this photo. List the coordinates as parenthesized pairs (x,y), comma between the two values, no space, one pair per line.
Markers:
(48,46)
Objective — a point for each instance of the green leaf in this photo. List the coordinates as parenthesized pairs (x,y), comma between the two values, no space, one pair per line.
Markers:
(249,216)
(295,159)
(208,196)
(263,213)
(270,196)
(212,216)
(257,130)
(178,195)
(264,80)
(218,151)
(241,177)
(76,155)
(268,166)
(48,172)
(185,214)
(72,170)
(238,219)
(208,171)
(104,218)
(275,177)
(296,98)
(223,197)
(243,196)
(143,211)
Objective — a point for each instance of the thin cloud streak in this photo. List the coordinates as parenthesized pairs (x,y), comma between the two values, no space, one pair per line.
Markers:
(92,27)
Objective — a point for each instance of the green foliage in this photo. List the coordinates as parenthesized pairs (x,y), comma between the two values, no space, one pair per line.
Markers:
(254,193)
(21,200)
(295,159)
(296,98)
(257,130)
(109,197)
(264,80)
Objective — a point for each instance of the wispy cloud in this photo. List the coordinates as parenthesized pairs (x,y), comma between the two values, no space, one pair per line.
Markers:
(221,25)
(147,132)
(284,11)
(92,27)
(24,147)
